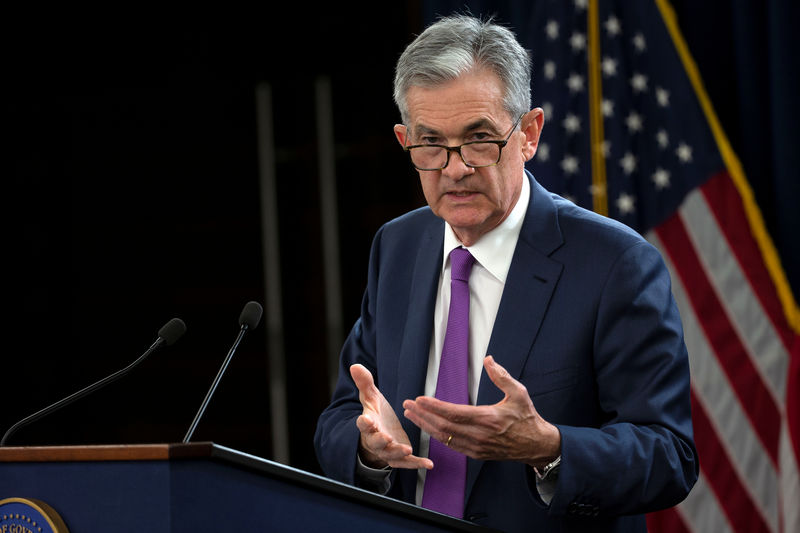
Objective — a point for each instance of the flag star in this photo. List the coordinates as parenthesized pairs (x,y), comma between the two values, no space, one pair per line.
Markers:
(612,26)
(639,82)
(662,138)
(661,178)
(605,148)
(639,42)
(662,96)
(625,204)
(572,123)
(581,4)
(578,42)
(634,122)
(609,66)
(551,29)
(628,163)
(570,164)
(547,107)
(543,152)
(575,83)
(596,189)
(684,153)
(567,196)
(607,106)
(550,70)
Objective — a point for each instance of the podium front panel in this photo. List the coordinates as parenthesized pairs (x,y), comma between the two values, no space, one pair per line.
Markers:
(213,489)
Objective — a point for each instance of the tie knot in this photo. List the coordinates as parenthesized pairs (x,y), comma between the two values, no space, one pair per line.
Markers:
(461,262)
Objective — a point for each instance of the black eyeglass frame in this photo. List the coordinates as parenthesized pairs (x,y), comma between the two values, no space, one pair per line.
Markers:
(457,149)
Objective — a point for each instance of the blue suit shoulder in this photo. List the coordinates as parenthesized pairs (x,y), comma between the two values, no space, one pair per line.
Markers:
(577,222)
(409,230)
(418,219)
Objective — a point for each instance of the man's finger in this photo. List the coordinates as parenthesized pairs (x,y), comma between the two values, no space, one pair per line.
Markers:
(456,413)
(395,451)
(362,377)
(436,426)
(366,424)
(500,376)
(368,392)
(412,462)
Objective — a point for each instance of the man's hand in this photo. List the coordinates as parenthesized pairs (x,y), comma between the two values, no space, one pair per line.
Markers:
(510,430)
(383,441)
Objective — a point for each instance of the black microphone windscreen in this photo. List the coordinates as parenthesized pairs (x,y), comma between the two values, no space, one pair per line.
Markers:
(251,315)
(172,330)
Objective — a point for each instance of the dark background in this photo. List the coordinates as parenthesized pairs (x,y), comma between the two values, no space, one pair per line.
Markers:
(131,196)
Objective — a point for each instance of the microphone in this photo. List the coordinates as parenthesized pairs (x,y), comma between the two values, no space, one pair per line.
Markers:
(251,315)
(168,334)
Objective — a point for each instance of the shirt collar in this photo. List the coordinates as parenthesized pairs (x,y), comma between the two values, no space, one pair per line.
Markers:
(495,250)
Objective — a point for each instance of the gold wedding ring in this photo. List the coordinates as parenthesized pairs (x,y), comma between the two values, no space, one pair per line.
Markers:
(448,441)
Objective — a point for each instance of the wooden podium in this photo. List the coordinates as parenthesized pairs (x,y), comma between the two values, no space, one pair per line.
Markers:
(196,488)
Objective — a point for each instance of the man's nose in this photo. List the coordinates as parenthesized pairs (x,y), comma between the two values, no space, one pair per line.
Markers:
(456,169)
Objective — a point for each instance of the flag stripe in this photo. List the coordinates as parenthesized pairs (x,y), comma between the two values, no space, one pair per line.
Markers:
(701,510)
(709,382)
(726,205)
(742,512)
(737,295)
(793,403)
(790,484)
(667,521)
(757,401)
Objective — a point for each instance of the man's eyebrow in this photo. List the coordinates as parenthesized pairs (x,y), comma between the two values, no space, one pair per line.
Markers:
(422,129)
(480,124)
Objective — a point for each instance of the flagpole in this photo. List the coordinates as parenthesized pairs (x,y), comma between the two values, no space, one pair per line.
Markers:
(599,185)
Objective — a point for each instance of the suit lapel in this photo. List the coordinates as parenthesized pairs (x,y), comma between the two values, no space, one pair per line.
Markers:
(531,281)
(412,363)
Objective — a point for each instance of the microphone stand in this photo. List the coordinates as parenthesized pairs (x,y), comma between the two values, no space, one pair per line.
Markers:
(81,393)
(214,385)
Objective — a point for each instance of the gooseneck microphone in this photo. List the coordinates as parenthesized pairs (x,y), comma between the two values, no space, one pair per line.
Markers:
(168,334)
(249,319)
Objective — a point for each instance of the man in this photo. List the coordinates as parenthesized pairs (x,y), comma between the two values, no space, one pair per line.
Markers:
(563,397)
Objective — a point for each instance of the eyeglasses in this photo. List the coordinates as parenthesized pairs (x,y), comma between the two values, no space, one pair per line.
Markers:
(474,154)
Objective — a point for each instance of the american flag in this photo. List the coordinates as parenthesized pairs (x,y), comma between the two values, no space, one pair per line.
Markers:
(630,132)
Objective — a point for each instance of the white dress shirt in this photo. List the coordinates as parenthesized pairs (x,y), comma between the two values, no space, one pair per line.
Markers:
(493,253)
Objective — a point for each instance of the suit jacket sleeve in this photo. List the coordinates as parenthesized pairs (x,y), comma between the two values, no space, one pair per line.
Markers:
(336,438)
(640,456)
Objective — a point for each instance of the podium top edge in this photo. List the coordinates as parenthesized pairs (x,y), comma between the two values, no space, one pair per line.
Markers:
(105,452)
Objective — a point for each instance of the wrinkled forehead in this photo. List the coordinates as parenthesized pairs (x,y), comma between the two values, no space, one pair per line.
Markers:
(473,100)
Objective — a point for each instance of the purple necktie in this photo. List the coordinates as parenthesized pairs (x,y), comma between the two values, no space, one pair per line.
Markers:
(446,482)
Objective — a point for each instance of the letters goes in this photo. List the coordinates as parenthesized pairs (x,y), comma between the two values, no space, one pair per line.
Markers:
(15,528)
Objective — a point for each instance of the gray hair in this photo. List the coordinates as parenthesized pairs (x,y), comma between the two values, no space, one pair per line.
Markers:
(452,47)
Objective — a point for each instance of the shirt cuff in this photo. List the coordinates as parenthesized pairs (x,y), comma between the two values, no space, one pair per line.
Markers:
(547,487)
(547,480)
(372,479)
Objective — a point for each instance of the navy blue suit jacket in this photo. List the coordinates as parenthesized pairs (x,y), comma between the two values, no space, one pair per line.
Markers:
(587,323)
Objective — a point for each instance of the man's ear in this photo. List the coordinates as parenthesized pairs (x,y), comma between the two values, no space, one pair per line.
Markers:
(400,132)
(531,125)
